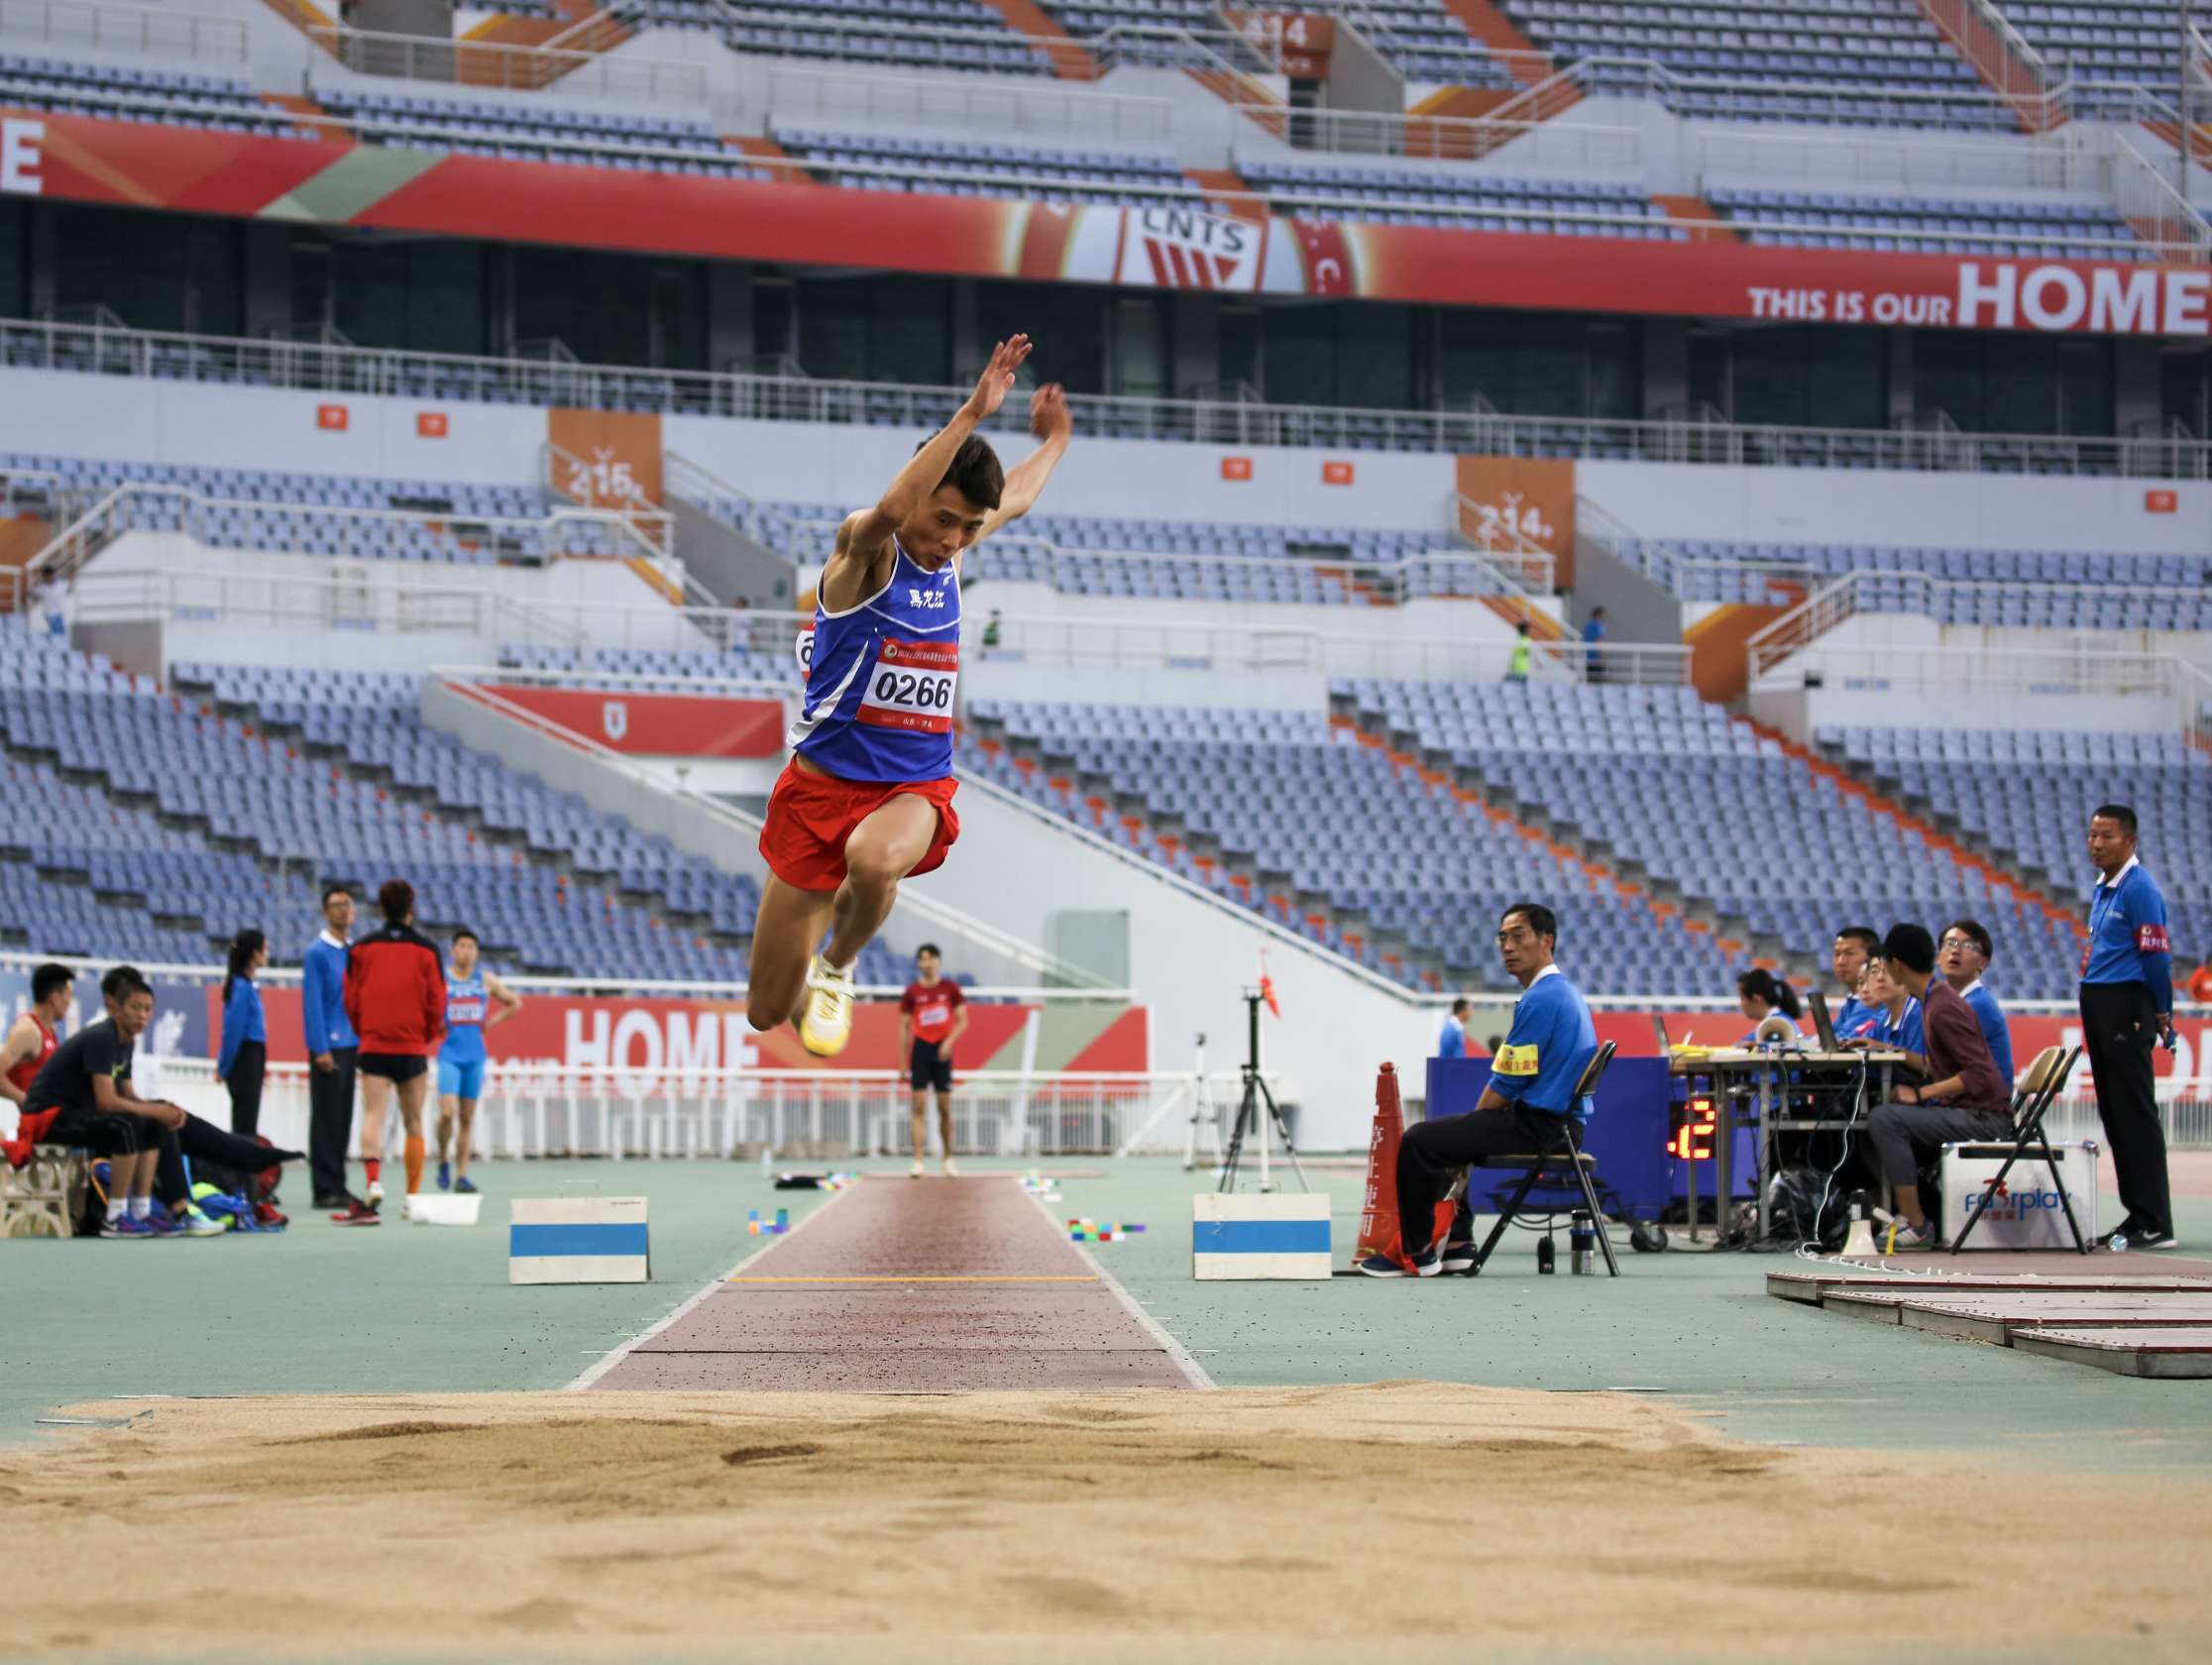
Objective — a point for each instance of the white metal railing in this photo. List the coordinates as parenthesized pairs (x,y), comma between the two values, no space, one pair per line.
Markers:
(465,64)
(1768,98)
(607,486)
(2074,669)
(329,368)
(1508,542)
(167,32)
(1908,591)
(2069,160)
(2147,201)
(1688,577)
(536,1110)
(144,506)
(967,104)
(1583,147)
(2013,68)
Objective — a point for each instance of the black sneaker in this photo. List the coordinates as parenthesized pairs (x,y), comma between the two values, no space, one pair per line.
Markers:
(1458,1257)
(2152,1237)
(2125,1229)
(1427,1263)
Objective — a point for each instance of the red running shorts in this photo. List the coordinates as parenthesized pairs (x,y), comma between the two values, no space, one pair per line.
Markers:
(811,815)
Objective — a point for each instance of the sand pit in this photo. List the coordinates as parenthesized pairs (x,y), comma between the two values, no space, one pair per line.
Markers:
(1397,1521)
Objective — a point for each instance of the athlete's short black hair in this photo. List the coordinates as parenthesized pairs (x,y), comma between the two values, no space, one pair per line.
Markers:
(1461,1004)
(930,948)
(1864,935)
(47,978)
(112,985)
(330,890)
(396,901)
(2121,813)
(977,471)
(1911,947)
(1541,920)
(470,934)
(1975,933)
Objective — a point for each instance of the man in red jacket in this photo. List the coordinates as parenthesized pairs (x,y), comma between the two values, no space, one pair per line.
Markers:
(395,998)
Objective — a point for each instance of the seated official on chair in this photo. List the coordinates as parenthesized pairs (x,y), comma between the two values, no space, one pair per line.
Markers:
(1532,1083)
(1965,1099)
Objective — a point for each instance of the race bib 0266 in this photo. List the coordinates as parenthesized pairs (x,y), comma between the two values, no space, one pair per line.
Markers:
(912,687)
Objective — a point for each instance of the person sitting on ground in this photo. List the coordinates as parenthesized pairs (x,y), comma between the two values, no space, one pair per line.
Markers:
(1847,959)
(1893,1021)
(1962,954)
(1964,1099)
(81,1083)
(1761,995)
(1532,1085)
(233,1157)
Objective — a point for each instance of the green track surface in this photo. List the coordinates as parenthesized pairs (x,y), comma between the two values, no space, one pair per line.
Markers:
(398,1307)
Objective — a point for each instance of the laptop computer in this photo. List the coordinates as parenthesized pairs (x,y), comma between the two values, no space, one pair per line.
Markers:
(1823,1025)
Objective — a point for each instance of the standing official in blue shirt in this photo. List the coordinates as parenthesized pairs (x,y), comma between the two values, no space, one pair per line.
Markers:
(1962,954)
(332,1048)
(242,1060)
(1532,1085)
(2127,1006)
(1451,1040)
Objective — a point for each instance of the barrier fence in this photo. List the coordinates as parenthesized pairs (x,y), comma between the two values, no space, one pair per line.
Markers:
(531,1111)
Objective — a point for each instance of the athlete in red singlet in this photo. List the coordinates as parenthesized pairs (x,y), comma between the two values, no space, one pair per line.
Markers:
(30,1041)
(867,797)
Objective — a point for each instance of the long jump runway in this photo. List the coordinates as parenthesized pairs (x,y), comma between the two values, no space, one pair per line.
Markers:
(917,1286)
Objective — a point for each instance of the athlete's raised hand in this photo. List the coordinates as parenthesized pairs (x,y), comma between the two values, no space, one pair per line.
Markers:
(1048,418)
(997,380)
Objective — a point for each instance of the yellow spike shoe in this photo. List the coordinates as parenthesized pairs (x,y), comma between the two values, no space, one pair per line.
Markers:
(827,1023)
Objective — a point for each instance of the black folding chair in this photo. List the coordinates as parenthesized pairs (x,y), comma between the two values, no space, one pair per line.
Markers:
(2044,1080)
(1563,1154)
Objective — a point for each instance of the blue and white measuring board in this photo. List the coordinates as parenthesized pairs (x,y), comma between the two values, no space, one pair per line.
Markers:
(1263,1236)
(578,1240)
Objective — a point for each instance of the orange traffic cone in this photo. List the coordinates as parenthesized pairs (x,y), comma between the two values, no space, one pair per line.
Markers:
(1379,1217)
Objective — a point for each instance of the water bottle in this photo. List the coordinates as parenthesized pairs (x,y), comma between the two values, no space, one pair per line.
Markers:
(2119,1244)
(1581,1240)
(1544,1255)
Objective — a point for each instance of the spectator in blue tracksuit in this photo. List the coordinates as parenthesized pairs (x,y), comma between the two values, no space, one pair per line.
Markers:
(1594,638)
(1962,954)
(242,1060)
(1532,1086)
(2127,1006)
(332,1048)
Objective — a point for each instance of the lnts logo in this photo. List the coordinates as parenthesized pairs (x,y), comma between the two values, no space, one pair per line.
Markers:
(1179,249)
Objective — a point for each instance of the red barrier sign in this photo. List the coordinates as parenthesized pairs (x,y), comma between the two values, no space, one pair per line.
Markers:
(658,724)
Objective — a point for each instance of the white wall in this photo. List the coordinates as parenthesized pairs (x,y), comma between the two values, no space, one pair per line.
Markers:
(1156,480)
(1797,711)
(1899,510)
(210,425)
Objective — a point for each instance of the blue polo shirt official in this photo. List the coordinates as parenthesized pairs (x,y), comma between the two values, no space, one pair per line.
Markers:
(1847,1017)
(1995,1030)
(2128,941)
(1551,1043)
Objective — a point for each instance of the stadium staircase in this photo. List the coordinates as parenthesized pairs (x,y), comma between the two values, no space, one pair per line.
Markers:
(2038,890)
(2005,63)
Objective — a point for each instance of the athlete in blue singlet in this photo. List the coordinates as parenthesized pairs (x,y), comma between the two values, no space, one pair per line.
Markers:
(867,797)
(475,1001)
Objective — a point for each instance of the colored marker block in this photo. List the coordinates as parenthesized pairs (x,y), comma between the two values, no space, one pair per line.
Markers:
(578,1240)
(1236,1237)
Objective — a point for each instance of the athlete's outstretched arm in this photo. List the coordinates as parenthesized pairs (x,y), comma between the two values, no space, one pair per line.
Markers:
(1024,481)
(871,528)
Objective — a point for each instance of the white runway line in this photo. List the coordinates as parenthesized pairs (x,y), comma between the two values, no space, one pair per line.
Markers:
(592,1373)
(1193,1371)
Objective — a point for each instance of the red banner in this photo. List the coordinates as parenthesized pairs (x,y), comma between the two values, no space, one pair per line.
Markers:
(656,724)
(671,1036)
(94,161)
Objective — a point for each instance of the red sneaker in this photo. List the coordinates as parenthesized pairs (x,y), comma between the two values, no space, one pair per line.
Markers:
(356,1213)
(268,1214)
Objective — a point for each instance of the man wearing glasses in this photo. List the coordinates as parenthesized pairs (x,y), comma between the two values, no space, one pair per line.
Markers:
(1962,954)
(1532,1083)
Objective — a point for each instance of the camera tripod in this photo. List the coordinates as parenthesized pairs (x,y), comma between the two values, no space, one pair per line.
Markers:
(1256,1098)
